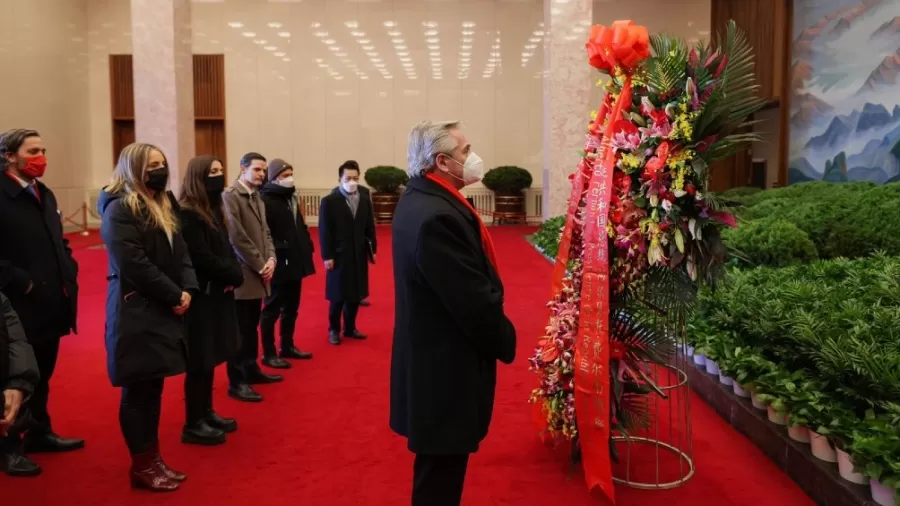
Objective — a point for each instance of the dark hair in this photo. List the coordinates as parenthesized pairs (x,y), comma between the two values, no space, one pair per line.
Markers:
(193,188)
(348,165)
(11,141)
(247,159)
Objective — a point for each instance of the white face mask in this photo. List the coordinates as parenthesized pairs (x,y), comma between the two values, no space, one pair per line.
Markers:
(350,186)
(287,182)
(473,169)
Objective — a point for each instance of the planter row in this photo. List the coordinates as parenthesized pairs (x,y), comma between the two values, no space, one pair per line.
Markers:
(820,446)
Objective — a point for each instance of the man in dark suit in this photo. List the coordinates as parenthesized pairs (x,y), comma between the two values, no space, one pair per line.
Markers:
(18,377)
(449,326)
(347,242)
(37,273)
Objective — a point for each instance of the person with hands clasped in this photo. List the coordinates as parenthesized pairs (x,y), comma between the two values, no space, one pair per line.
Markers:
(18,377)
(212,321)
(248,231)
(149,292)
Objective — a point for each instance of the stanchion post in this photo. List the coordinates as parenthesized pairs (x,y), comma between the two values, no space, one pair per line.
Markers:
(84,220)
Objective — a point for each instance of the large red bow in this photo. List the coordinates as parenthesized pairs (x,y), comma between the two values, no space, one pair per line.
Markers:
(624,44)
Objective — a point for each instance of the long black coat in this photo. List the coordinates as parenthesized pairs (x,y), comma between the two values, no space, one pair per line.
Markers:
(212,321)
(293,246)
(345,239)
(34,251)
(145,339)
(18,368)
(449,325)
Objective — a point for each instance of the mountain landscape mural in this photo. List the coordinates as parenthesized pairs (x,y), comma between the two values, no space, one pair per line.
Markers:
(845,82)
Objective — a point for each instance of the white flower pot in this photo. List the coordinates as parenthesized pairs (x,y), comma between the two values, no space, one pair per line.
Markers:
(758,404)
(799,433)
(712,367)
(882,495)
(821,447)
(845,468)
(689,350)
(740,391)
(725,380)
(699,359)
(777,417)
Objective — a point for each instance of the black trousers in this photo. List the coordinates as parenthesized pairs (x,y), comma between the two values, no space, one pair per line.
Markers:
(349,309)
(438,479)
(198,391)
(283,303)
(248,314)
(139,412)
(46,354)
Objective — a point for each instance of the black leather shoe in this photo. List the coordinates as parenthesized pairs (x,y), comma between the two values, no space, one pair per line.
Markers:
(244,393)
(16,464)
(365,303)
(257,377)
(293,352)
(276,362)
(334,337)
(51,443)
(226,425)
(355,335)
(200,433)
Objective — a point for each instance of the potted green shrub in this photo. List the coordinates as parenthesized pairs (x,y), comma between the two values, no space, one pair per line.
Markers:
(507,183)
(386,180)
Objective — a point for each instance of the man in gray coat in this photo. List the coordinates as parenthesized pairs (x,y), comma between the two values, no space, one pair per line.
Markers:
(18,377)
(252,243)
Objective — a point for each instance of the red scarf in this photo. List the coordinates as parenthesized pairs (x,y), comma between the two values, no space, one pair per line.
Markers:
(486,241)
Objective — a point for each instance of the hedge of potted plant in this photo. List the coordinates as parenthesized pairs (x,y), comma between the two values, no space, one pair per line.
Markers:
(807,320)
(508,182)
(386,180)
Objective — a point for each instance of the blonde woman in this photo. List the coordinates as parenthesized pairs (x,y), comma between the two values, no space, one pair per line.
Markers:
(150,280)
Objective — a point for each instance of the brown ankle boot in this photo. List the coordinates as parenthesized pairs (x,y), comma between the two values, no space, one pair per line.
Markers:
(166,470)
(146,474)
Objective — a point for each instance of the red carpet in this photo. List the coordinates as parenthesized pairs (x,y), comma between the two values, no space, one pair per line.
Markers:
(321,438)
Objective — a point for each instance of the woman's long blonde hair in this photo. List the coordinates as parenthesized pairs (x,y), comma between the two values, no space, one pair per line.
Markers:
(128,178)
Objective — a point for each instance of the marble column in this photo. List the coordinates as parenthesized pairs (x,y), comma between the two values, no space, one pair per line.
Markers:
(163,80)
(567,96)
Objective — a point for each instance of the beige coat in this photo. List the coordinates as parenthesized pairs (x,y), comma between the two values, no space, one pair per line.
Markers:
(250,238)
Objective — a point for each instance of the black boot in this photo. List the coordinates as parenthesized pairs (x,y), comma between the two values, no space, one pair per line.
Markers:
(13,462)
(200,433)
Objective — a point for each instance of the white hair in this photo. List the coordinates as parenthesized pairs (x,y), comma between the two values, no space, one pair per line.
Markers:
(427,140)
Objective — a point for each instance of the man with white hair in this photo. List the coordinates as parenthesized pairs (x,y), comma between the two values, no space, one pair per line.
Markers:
(449,326)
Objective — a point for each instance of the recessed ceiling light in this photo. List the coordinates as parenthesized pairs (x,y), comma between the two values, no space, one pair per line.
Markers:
(465,53)
(413,77)
(323,65)
(375,60)
(527,55)
(286,59)
(539,33)
(259,41)
(431,33)
(388,76)
(351,24)
(436,53)
(390,24)
(397,41)
(433,40)
(434,46)
(235,24)
(394,33)
(402,54)
(466,47)
(284,34)
(279,54)
(407,64)
(530,46)
(378,65)
(274,25)
(534,39)
(315,25)
(468,24)
(464,65)
(270,48)
(372,53)
(248,34)
(340,55)
(495,55)
(328,41)
(368,48)
(405,59)
(466,40)
(363,77)
(468,32)
(358,34)
(363,41)
(338,77)
(334,48)
(321,34)
(319,60)
(429,24)
(495,46)
(401,48)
